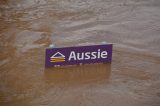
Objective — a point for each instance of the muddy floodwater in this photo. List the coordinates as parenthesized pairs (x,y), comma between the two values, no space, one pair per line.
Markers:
(27,27)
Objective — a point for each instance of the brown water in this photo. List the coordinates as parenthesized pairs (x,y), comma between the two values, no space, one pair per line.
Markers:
(27,27)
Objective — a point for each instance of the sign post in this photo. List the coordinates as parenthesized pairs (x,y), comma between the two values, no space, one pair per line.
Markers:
(78,55)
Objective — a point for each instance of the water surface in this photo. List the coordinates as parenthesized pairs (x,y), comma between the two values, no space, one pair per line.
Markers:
(27,27)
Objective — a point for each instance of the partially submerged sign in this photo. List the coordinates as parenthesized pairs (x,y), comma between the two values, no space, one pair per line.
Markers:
(78,55)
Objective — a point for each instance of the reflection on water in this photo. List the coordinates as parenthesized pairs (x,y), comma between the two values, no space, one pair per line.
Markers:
(78,74)
(27,27)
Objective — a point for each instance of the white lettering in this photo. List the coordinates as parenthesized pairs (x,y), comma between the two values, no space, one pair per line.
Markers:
(80,56)
(93,55)
(72,55)
(87,54)
(98,54)
(104,54)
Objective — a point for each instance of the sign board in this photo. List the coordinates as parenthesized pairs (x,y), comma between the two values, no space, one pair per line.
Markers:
(78,55)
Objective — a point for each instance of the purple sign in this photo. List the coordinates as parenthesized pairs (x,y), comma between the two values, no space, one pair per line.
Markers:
(78,55)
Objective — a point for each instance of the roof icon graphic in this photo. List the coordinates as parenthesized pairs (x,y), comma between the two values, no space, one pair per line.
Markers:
(58,55)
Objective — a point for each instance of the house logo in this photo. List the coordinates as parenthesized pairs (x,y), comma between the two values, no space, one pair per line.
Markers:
(57,57)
